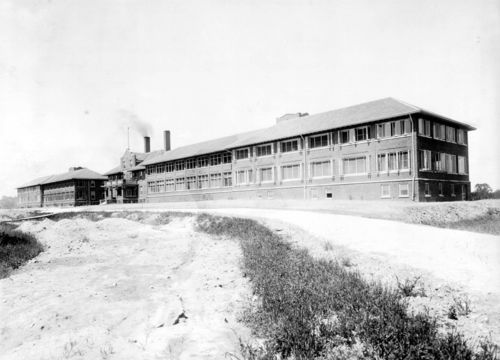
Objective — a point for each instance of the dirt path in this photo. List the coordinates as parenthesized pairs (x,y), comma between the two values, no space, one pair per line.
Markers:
(469,259)
(114,289)
(451,264)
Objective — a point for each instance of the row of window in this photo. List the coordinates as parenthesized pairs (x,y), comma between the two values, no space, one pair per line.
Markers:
(385,190)
(191,182)
(441,132)
(442,162)
(362,133)
(179,165)
(452,190)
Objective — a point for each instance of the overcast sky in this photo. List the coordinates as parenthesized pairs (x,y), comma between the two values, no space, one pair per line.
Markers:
(75,74)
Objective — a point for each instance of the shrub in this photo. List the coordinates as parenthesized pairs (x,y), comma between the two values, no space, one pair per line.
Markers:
(317,309)
(16,248)
(409,287)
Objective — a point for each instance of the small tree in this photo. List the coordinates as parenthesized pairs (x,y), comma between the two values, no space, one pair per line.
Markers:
(482,191)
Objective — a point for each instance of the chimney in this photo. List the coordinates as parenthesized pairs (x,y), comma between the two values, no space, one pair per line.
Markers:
(290,116)
(147,144)
(166,140)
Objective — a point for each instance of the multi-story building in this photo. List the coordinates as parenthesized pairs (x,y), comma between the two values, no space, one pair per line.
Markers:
(78,186)
(385,149)
(125,182)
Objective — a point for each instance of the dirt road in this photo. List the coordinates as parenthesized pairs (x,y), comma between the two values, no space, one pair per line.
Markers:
(121,289)
(470,259)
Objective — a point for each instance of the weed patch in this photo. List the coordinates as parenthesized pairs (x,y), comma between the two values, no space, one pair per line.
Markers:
(317,309)
(16,248)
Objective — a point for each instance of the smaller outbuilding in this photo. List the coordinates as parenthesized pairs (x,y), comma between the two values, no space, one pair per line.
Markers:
(76,187)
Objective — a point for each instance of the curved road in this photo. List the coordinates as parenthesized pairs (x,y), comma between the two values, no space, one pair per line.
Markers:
(470,259)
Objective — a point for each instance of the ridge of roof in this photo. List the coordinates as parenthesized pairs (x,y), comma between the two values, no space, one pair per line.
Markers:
(81,174)
(375,110)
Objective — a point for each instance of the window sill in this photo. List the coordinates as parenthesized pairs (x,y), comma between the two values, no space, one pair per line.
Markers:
(359,174)
(404,196)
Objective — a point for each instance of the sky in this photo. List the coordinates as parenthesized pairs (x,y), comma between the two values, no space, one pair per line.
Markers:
(75,74)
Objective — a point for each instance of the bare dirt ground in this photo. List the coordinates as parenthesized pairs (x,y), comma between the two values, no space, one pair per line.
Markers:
(117,288)
(453,266)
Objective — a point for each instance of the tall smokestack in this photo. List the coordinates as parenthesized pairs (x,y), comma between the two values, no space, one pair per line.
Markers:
(147,144)
(166,140)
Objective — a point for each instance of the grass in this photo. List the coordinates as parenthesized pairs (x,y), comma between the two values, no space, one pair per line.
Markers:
(488,223)
(317,309)
(150,217)
(16,248)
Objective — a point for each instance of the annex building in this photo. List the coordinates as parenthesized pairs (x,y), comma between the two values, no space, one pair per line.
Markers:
(78,186)
(384,149)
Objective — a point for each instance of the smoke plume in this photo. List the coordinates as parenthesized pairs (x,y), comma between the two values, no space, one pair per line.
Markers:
(133,121)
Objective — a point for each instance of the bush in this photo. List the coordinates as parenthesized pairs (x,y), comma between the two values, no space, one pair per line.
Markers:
(317,309)
(16,248)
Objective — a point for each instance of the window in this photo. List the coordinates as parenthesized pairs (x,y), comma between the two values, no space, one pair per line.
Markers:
(393,161)
(226,157)
(450,134)
(190,163)
(424,127)
(427,190)
(439,131)
(203,182)
(215,180)
(354,166)
(385,191)
(318,141)
(202,162)
(381,131)
(321,169)
(266,174)
(425,160)
(464,192)
(393,129)
(451,163)
(180,184)
(361,134)
(440,186)
(290,172)
(227,179)
(169,185)
(403,160)
(242,154)
(191,182)
(344,136)
(452,190)
(179,165)
(404,190)
(215,159)
(92,195)
(382,162)
(461,136)
(241,177)
(462,165)
(92,184)
(169,167)
(405,126)
(290,145)
(264,150)
(438,161)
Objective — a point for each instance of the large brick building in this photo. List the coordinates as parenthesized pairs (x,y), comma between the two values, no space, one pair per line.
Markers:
(385,149)
(78,186)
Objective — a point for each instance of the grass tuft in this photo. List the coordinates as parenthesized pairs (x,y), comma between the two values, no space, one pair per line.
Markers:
(318,309)
(16,248)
